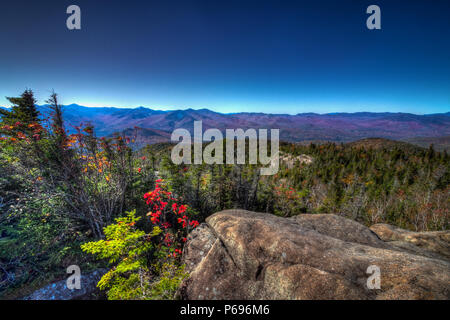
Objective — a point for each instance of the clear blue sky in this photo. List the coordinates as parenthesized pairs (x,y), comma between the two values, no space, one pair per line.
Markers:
(228,56)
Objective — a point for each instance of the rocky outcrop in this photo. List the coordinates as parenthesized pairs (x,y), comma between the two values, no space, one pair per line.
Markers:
(59,291)
(239,254)
(290,160)
(433,244)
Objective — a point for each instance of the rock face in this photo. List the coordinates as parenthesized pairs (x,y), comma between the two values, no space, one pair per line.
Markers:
(59,290)
(430,244)
(239,254)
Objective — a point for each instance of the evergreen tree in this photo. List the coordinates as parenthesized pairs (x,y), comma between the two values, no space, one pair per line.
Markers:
(23,110)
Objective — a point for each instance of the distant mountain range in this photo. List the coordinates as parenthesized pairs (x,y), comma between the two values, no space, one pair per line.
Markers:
(157,125)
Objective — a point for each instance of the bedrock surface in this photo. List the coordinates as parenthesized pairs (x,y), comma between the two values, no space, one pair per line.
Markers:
(240,254)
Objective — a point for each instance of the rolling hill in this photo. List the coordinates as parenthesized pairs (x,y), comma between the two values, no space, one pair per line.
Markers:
(381,143)
(439,143)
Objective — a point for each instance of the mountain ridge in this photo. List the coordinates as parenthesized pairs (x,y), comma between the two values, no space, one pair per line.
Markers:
(334,127)
(243,112)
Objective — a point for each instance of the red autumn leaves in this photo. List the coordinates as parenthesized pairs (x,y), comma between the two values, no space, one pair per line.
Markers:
(20,131)
(166,213)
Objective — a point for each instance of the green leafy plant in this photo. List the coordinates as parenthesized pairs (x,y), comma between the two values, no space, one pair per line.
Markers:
(143,269)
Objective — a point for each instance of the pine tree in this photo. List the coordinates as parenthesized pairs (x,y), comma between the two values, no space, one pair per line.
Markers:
(23,110)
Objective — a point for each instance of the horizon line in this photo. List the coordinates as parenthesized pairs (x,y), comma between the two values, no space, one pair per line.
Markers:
(242,112)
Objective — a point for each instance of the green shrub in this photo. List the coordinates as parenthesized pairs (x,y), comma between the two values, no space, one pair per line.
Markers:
(143,268)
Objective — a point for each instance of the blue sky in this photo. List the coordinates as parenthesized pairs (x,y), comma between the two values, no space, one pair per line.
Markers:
(231,56)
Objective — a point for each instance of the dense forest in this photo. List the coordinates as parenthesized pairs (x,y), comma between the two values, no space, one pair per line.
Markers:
(101,202)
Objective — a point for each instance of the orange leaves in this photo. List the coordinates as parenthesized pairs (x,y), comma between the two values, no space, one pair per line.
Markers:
(18,131)
(71,140)
(20,135)
(97,163)
(7,128)
(348,180)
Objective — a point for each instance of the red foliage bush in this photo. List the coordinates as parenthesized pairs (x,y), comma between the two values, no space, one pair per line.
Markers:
(174,219)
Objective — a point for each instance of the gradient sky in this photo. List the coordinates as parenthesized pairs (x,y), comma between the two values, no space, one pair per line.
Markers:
(229,56)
